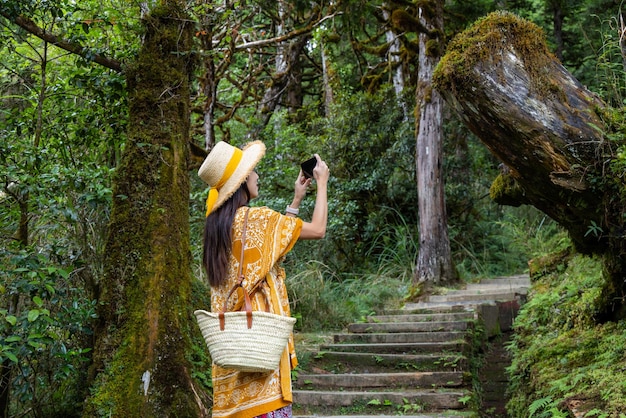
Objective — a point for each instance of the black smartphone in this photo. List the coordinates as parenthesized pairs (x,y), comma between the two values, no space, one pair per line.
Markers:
(308,166)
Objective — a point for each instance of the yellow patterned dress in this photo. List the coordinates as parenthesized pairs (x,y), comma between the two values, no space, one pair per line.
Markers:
(269,237)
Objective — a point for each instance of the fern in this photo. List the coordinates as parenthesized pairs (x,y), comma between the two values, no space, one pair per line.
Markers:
(596,413)
(539,405)
(555,412)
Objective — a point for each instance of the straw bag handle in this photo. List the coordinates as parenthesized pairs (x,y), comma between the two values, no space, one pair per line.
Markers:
(247,303)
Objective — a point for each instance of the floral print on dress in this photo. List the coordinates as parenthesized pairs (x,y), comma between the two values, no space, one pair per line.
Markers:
(269,237)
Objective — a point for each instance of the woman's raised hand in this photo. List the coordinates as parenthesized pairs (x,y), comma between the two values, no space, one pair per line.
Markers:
(321,171)
(316,229)
(302,183)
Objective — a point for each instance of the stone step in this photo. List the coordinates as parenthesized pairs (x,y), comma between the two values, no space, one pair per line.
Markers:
(520,279)
(306,401)
(496,286)
(399,337)
(353,362)
(405,348)
(408,327)
(411,360)
(488,292)
(442,306)
(359,381)
(422,308)
(473,296)
(438,317)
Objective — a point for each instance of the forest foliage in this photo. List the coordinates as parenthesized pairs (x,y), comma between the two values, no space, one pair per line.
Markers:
(63,126)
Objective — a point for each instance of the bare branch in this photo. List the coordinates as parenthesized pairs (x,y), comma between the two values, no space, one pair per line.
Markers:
(294,34)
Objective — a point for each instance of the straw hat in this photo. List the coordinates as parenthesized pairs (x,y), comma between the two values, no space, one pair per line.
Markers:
(226,168)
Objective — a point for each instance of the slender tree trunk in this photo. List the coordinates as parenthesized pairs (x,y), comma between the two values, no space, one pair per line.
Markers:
(434,262)
(140,365)
(557,23)
(208,83)
(282,59)
(329,96)
(621,32)
(395,61)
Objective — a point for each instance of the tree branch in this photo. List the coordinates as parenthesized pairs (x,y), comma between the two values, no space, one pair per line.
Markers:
(285,37)
(31,27)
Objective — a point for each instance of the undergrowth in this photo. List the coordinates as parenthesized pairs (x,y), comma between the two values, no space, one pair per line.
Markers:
(324,298)
(563,360)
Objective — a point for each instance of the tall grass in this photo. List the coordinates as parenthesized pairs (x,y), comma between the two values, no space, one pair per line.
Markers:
(503,244)
(325,299)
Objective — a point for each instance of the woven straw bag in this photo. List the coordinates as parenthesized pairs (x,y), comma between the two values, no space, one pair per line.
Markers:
(247,341)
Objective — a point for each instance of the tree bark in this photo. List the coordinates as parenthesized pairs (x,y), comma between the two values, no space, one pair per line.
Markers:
(327,80)
(140,365)
(546,128)
(208,82)
(395,61)
(434,263)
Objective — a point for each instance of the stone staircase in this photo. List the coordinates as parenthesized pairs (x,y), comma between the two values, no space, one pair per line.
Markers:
(415,361)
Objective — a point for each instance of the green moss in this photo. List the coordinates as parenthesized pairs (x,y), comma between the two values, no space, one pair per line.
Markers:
(425,93)
(484,43)
(549,264)
(403,21)
(428,8)
(433,48)
(560,351)
(146,290)
(506,191)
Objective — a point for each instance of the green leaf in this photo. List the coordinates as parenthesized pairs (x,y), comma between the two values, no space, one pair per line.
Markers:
(11,319)
(12,357)
(64,273)
(33,314)
(35,344)
(38,301)
(13,339)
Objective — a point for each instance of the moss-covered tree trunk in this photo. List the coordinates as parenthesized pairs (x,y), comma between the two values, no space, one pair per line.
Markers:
(548,130)
(140,365)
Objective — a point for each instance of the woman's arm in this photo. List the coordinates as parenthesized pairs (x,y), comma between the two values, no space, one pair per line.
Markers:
(316,229)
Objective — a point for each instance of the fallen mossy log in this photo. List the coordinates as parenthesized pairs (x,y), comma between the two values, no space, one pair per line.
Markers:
(550,132)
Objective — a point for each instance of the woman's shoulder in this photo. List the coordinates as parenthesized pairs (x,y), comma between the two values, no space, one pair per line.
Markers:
(254,210)
(269,216)
(262,211)
(256,213)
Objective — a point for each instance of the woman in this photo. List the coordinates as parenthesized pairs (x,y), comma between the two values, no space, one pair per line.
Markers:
(269,237)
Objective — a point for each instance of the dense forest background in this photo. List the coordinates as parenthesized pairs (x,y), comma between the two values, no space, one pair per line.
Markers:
(338,79)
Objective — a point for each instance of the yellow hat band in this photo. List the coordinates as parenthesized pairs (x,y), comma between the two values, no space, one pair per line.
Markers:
(230,168)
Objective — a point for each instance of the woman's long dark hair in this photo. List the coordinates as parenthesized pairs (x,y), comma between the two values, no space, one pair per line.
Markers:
(218,236)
